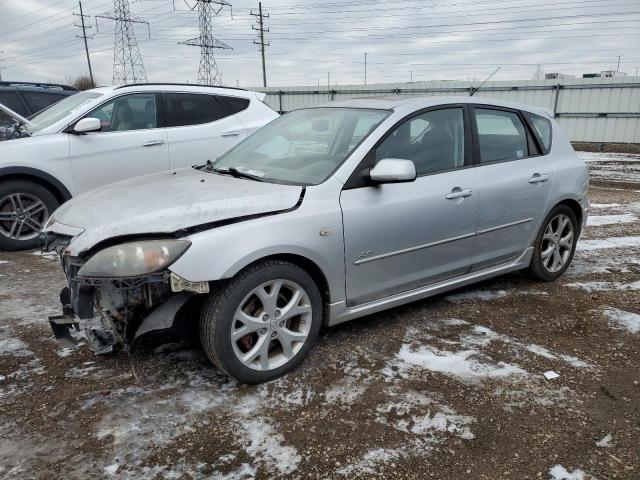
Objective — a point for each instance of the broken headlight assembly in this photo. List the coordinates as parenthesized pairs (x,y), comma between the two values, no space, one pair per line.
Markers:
(134,258)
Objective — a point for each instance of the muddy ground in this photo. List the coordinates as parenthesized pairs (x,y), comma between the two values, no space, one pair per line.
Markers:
(447,388)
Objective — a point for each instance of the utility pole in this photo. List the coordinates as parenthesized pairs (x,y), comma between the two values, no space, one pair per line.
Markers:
(2,68)
(127,61)
(84,36)
(365,67)
(618,67)
(411,76)
(208,73)
(260,28)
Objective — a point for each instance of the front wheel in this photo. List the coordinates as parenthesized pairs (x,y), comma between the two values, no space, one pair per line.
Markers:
(262,323)
(555,244)
(25,207)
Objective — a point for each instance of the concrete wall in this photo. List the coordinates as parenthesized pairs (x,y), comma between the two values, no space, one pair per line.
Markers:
(589,110)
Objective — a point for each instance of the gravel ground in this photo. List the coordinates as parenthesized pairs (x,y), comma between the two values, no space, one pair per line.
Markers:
(450,388)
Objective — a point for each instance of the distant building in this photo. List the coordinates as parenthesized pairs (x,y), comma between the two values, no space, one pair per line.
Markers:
(605,74)
(556,76)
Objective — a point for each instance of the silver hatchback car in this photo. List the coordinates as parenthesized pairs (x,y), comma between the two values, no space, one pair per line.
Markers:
(324,215)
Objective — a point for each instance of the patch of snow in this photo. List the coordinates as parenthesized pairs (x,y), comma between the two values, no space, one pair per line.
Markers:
(601,220)
(607,243)
(371,462)
(465,364)
(622,319)
(605,442)
(111,469)
(558,472)
(475,295)
(605,286)
(605,205)
(575,362)
(15,347)
(540,350)
(4,261)
(266,445)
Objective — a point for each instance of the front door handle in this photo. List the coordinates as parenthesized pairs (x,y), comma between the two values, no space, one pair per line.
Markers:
(234,133)
(537,178)
(459,193)
(152,143)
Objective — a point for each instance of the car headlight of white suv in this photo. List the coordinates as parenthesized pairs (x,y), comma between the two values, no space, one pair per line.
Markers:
(134,258)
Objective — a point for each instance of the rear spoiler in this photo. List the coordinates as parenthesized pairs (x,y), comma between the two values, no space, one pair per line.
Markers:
(16,116)
(260,96)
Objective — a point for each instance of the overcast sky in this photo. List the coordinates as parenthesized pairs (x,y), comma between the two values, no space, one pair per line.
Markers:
(435,39)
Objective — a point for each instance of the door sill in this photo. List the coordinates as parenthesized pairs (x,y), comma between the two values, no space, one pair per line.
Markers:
(340,312)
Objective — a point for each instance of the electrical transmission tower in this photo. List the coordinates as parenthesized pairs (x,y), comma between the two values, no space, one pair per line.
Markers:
(260,28)
(84,36)
(208,73)
(127,61)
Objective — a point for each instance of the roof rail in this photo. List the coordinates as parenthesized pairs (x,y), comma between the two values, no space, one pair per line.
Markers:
(6,83)
(177,84)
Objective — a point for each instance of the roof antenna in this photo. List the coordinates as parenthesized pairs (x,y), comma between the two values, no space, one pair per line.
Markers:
(475,90)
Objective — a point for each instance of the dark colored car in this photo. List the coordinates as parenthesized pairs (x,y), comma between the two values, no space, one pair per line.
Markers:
(28,98)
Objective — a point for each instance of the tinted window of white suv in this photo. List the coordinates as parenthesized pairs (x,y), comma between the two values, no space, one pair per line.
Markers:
(194,109)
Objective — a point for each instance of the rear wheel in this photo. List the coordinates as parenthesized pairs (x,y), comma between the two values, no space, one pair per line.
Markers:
(555,244)
(262,323)
(25,207)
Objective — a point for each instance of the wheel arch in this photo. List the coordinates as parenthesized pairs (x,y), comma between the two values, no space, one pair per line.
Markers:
(575,206)
(55,186)
(309,266)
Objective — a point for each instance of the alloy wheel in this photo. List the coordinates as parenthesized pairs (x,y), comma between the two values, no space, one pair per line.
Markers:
(22,216)
(271,325)
(557,243)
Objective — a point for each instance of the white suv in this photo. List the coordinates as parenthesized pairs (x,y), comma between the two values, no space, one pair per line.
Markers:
(108,134)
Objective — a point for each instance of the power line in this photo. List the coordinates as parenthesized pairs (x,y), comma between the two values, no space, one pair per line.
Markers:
(84,36)
(208,73)
(127,61)
(260,28)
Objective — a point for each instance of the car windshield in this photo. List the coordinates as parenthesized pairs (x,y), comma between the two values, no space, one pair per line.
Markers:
(302,147)
(61,109)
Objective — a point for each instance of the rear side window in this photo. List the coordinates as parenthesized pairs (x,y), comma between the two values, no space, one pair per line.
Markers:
(11,100)
(194,108)
(41,100)
(542,128)
(501,134)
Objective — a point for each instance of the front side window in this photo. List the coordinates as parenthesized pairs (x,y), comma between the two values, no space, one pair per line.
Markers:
(38,101)
(196,108)
(128,112)
(501,135)
(302,147)
(542,128)
(12,101)
(434,141)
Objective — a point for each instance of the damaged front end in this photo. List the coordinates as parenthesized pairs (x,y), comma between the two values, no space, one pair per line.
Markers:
(114,311)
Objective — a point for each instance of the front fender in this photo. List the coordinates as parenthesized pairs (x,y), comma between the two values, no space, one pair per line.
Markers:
(222,252)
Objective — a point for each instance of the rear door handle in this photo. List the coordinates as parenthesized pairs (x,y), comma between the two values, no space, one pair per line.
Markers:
(459,193)
(152,143)
(537,178)
(234,133)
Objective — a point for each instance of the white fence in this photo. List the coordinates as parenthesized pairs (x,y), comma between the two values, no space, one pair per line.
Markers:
(590,110)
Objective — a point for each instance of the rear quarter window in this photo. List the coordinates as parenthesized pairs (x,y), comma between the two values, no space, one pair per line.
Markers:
(197,108)
(542,129)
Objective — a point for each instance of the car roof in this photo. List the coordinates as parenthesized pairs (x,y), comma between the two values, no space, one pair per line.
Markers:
(416,102)
(177,87)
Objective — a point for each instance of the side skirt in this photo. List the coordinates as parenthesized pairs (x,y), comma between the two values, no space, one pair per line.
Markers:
(340,313)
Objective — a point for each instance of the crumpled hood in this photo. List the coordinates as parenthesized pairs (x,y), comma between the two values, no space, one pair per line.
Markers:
(167,202)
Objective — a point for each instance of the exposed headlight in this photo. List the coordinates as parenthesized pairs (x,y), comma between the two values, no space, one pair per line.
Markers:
(133,259)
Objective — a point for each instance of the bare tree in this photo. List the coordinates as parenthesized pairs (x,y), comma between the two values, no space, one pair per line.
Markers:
(538,74)
(81,82)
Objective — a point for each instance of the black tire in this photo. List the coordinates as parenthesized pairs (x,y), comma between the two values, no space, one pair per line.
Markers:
(217,318)
(32,189)
(536,268)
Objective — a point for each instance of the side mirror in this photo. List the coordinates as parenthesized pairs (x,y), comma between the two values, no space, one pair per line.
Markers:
(393,170)
(88,124)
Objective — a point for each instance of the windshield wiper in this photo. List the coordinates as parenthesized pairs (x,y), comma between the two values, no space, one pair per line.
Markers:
(233,171)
